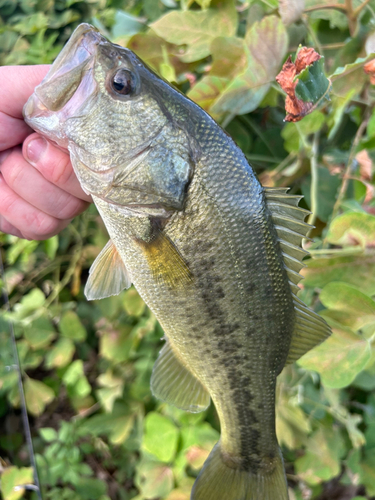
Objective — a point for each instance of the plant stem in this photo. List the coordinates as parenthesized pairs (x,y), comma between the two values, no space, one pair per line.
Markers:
(345,181)
(350,16)
(336,6)
(314,179)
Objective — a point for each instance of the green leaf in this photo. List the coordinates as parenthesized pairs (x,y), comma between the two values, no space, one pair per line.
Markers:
(339,359)
(126,24)
(74,378)
(133,303)
(29,303)
(48,434)
(358,271)
(266,43)
(117,425)
(161,436)
(38,395)
(90,488)
(313,85)
(61,354)
(13,476)
(292,132)
(197,29)
(40,333)
(344,71)
(356,309)
(71,327)
(352,228)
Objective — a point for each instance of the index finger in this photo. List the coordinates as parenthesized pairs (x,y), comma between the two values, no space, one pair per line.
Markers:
(17,85)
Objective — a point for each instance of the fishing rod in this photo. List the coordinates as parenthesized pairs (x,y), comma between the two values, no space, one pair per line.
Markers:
(17,367)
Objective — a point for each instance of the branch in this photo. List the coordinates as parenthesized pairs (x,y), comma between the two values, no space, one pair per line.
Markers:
(360,7)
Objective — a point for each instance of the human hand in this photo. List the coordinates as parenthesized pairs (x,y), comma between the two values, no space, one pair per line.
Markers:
(39,192)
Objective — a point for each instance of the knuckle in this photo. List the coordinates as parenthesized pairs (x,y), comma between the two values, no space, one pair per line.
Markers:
(42,226)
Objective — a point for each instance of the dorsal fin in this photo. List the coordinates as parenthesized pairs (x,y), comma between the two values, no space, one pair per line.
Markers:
(289,218)
(310,329)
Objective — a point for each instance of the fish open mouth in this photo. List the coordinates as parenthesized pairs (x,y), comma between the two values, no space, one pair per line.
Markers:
(69,73)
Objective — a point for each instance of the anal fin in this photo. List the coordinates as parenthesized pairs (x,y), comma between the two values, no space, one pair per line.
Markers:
(108,275)
(172,382)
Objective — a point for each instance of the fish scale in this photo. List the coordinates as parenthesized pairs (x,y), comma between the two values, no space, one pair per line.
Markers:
(214,254)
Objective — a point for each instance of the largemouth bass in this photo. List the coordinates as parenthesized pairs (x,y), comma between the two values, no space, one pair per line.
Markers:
(214,254)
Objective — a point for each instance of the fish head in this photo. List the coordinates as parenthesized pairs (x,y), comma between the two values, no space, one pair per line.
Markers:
(105,106)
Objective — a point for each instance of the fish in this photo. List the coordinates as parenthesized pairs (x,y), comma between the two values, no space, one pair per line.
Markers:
(215,255)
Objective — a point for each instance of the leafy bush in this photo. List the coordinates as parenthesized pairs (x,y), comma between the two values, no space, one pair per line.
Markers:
(98,432)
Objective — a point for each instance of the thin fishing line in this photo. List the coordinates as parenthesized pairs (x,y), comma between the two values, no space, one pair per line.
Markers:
(25,419)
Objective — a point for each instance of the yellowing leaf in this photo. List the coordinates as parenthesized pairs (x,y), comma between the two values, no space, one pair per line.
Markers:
(355,308)
(229,56)
(339,359)
(13,476)
(352,228)
(358,271)
(155,480)
(38,395)
(61,353)
(266,44)
(321,460)
(207,90)
(197,29)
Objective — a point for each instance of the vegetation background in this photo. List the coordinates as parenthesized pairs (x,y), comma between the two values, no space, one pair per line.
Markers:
(98,432)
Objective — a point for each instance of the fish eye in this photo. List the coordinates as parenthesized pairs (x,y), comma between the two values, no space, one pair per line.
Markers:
(123,82)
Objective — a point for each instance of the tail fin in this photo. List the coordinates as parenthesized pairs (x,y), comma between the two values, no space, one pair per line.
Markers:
(217,481)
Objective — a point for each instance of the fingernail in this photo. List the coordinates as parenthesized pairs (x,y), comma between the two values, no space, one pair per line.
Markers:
(3,155)
(36,149)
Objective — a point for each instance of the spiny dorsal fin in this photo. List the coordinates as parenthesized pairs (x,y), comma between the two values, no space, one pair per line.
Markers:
(173,383)
(289,218)
(310,329)
(108,275)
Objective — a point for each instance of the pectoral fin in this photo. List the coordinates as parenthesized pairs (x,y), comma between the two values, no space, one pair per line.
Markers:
(165,261)
(173,383)
(108,275)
